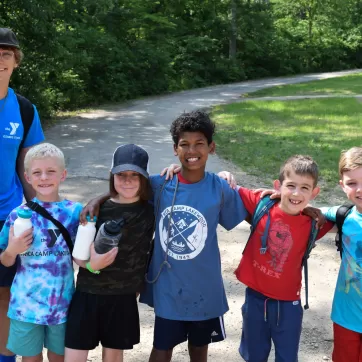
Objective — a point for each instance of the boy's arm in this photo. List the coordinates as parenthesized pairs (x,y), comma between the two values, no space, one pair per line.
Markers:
(16,246)
(92,208)
(232,211)
(98,261)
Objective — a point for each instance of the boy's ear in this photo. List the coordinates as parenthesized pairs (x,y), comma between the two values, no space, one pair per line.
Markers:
(212,147)
(277,185)
(342,185)
(315,192)
(64,175)
(27,178)
(175,149)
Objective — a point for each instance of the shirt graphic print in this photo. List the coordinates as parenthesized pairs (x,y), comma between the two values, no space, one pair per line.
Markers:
(185,232)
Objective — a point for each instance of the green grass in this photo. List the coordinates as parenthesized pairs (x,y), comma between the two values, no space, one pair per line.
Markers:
(348,85)
(259,136)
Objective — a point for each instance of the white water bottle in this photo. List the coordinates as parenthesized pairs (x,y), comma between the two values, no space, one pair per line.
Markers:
(84,239)
(23,222)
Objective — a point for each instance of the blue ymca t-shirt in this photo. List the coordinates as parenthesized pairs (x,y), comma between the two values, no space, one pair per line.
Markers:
(44,282)
(192,288)
(11,135)
(347,302)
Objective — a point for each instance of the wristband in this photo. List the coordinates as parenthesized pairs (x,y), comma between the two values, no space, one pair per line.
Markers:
(88,266)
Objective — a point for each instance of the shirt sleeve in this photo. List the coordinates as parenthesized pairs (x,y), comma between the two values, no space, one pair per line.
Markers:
(325,229)
(330,213)
(4,234)
(250,199)
(232,211)
(35,134)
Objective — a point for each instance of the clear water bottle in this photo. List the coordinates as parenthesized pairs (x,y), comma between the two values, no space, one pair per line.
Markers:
(84,239)
(23,222)
(108,236)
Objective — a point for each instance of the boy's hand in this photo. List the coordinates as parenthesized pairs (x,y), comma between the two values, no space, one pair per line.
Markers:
(101,261)
(229,177)
(315,214)
(20,244)
(92,208)
(274,194)
(170,171)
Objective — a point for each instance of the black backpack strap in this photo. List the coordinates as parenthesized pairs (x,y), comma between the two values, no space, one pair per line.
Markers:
(341,215)
(45,214)
(27,115)
(311,244)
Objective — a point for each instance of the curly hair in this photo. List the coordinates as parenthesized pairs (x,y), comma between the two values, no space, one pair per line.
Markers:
(196,121)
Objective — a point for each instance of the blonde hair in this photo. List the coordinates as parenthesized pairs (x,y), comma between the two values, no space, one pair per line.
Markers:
(44,150)
(350,160)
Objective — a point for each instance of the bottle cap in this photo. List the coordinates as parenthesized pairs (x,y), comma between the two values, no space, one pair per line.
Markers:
(24,213)
(113,227)
(89,219)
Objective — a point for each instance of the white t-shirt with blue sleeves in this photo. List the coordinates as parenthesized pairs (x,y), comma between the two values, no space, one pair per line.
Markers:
(192,288)
(11,136)
(44,282)
(347,302)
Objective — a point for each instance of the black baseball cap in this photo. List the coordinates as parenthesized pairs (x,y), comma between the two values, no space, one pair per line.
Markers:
(8,38)
(130,158)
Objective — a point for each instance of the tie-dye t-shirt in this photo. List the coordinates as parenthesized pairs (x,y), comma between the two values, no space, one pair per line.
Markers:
(44,280)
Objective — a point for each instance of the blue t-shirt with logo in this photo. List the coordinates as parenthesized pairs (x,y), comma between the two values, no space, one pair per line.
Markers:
(347,302)
(11,135)
(44,282)
(192,288)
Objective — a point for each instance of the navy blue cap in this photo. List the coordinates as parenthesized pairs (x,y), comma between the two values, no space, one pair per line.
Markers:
(130,158)
(8,38)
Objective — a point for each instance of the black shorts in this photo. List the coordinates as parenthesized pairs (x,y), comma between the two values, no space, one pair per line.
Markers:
(7,274)
(110,319)
(169,333)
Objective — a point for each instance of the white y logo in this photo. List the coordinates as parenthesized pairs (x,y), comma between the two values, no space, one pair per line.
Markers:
(14,127)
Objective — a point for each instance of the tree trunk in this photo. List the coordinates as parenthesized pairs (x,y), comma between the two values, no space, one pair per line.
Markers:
(232,46)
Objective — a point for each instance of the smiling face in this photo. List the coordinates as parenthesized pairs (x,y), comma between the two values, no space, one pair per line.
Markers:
(193,151)
(45,176)
(127,185)
(351,184)
(7,64)
(296,192)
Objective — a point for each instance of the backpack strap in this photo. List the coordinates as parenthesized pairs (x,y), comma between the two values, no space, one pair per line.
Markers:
(45,214)
(262,208)
(341,215)
(27,115)
(311,244)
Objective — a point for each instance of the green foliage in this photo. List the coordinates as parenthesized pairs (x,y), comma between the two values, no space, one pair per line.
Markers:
(82,52)
(254,135)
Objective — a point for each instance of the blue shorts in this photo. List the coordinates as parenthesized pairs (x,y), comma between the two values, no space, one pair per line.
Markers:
(6,273)
(169,333)
(28,339)
(266,320)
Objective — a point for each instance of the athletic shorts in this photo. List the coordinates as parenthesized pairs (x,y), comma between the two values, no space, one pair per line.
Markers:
(28,339)
(169,333)
(111,320)
(7,274)
(347,345)
(266,320)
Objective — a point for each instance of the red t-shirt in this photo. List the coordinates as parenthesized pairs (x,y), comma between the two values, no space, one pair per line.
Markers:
(278,273)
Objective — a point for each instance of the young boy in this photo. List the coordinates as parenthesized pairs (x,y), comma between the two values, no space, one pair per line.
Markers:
(15,142)
(188,292)
(347,302)
(43,283)
(272,310)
